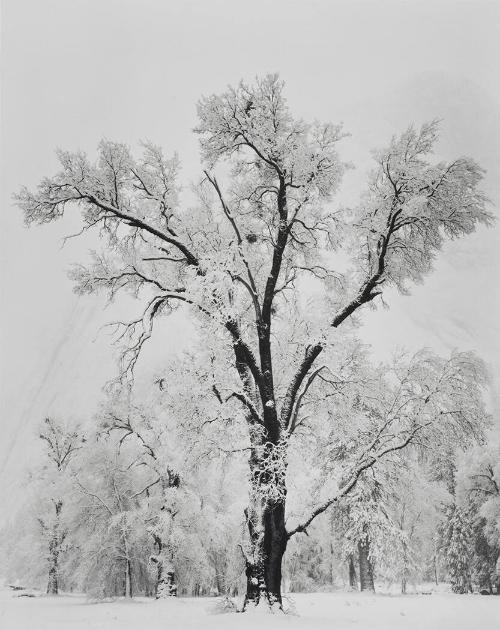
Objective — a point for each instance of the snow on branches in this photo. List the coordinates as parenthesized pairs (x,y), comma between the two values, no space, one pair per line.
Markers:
(281,363)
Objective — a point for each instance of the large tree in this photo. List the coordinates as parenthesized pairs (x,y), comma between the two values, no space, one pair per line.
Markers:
(242,259)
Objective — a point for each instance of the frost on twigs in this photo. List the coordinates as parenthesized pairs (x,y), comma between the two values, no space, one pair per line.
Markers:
(411,207)
(268,477)
(273,274)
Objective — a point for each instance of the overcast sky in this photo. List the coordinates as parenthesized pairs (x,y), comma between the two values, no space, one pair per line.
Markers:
(74,71)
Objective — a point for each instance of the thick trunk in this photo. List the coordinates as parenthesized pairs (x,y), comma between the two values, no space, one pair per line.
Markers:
(256,587)
(264,565)
(353,580)
(275,540)
(266,514)
(254,561)
(365,566)
(264,579)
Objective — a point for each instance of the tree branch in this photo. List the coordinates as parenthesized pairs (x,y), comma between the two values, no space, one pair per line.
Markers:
(310,356)
(352,481)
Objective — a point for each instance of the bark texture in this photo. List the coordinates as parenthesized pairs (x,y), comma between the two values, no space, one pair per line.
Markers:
(353,580)
(365,566)
(55,543)
(53,582)
(267,535)
(275,539)
(127,591)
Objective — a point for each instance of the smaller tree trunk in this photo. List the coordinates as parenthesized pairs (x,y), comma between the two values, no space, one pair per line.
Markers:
(406,572)
(219,581)
(166,584)
(128,579)
(53,582)
(55,543)
(353,580)
(365,566)
(165,577)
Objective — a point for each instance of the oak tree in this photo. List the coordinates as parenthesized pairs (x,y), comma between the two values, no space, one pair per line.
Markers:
(262,231)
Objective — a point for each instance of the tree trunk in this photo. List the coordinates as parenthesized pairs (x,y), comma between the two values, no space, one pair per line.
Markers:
(55,544)
(254,561)
(365,566)
(128,579)
(256,587)
(165,574)
(53,581)
(165,586)
(406,572)
(266,515)
(219,582)
(264,578)
(353,580)
(268,539)
(53,585)
(275,540)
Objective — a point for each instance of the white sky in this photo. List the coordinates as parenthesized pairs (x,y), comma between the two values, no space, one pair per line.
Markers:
(74,71)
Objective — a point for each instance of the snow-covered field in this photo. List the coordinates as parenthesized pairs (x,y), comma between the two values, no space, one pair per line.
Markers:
(335,611)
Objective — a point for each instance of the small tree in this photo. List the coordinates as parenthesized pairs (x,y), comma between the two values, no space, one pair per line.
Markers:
(177,502)
(458,547)
(61,445)
(130,421)
(110,532)
(241,259)
(479,488)
(369,530)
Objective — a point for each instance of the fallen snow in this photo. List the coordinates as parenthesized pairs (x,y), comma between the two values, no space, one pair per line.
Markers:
(338,611)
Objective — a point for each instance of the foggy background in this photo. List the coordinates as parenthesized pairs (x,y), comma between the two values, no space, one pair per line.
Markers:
(75,71)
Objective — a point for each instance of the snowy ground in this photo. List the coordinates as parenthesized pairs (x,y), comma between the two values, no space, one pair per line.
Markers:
(338,611)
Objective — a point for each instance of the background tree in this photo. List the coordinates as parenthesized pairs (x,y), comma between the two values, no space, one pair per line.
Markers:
(185,500)
(416,510)
(478,483)
(130,421)
(61,445)
(111,539)
(457,547)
